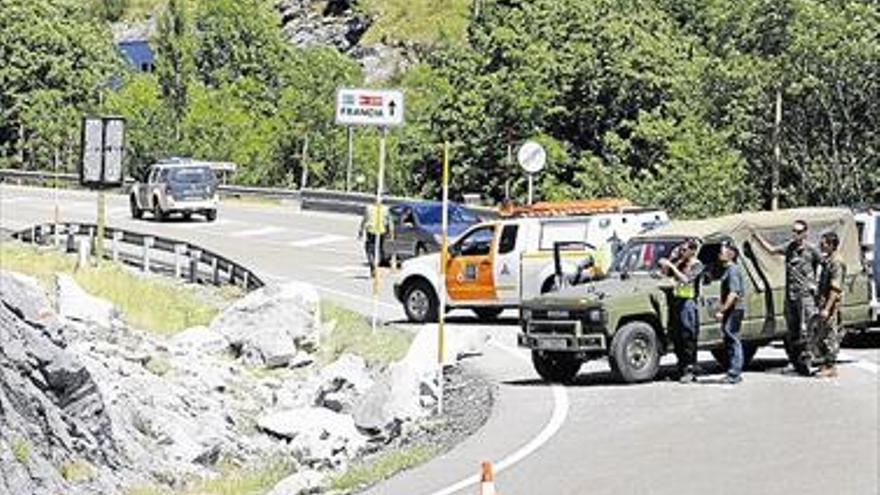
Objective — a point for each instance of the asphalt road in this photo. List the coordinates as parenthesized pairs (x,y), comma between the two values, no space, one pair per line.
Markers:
(776,433)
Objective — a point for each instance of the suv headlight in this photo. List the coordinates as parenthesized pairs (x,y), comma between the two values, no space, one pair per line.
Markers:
(526,314)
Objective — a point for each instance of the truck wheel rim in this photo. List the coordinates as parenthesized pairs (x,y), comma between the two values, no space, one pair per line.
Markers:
(638,353)
(418,303)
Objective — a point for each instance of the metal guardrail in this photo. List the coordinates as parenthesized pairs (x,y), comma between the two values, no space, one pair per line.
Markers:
(310,199)
(150,253)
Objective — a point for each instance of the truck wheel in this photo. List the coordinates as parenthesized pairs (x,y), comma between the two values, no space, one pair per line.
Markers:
(795,351)
(749,351)
(211,215)
(634,354)
(556,367)
(420,302)
(187,216)
(136,212)
(158,214)
(488,314)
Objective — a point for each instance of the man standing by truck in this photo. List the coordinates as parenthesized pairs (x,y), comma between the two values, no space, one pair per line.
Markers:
(374,224)
(830,290)
(732,310)
(685,269)
(802,259)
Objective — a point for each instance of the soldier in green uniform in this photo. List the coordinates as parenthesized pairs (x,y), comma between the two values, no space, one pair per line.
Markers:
(802,260)
(830,289)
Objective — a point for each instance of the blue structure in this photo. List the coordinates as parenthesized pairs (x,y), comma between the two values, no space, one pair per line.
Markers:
(138,53)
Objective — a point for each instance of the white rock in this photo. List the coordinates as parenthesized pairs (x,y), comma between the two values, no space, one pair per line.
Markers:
(76,304)
(270,324)
(300,482)
(319,435)
(201,339)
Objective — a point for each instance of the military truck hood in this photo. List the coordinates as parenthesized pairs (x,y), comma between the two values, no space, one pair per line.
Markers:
(597,292)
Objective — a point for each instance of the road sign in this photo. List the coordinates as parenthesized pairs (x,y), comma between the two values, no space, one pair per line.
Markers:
(103,143)
(378,107)
(531,157)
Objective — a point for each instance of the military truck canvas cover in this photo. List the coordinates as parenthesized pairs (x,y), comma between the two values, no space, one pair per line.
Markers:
(775,227)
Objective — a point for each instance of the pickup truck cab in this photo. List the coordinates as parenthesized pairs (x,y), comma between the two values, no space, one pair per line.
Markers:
(497,264)
(184,187)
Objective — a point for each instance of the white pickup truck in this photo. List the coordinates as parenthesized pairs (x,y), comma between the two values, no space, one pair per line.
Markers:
(180,186)
(497,264)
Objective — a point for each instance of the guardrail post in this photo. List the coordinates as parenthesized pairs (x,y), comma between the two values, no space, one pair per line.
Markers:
(33,234)
(246,279)
(215,271)
(117,237)
(194,256)
(179,251)
(92,239)
(56,234)
(83,252)
(71,240)
(148,244)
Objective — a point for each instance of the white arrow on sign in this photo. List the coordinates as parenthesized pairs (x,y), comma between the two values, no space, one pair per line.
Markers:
(531,157)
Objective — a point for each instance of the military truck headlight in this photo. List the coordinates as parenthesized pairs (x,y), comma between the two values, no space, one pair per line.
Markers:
(596,315)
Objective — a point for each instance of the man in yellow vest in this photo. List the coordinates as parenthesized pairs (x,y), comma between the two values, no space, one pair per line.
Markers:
(685,269)
(374,224)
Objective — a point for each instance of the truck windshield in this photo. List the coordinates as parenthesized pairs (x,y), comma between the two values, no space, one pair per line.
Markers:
(643,255)
(191,175)
(433,214)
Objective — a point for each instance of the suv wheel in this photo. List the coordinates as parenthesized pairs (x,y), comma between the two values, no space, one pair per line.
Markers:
(211,215)
(158,214)
(556,367)
(634,353)
(749,351)
(136,212)
(420,302)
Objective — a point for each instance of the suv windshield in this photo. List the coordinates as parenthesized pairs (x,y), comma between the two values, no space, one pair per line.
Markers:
(191,175)
(433,214)
(643,255)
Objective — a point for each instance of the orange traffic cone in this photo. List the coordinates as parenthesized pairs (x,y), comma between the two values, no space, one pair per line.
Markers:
(487,480)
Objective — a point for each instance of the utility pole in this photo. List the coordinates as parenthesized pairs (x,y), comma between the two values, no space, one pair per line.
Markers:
(349,131)
(777,152)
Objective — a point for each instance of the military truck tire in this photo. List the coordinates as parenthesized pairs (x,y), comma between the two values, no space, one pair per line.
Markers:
(420,302)
(634,353)
(794,352)
(488,314)
(556,367)
(136,212)
(749,351)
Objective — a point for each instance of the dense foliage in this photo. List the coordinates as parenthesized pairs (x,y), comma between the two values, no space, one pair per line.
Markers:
(666,102)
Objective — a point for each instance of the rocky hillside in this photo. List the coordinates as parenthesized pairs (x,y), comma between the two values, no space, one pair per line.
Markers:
(89,405)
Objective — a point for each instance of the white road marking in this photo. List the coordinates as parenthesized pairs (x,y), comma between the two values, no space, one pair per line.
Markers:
(560,412)
(344,269)
(264,231)
(865,365)
(317,241)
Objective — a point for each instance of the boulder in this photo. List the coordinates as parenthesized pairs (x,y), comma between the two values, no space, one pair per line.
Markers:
(304,481)
(200,339)
(23,295)
(78,305)
(270,325)
(343,383)
(318,435)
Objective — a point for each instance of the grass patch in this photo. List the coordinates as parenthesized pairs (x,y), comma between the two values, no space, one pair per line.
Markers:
(232,481)
(426,22)
(354,334)
(382,467)
(155,305)
(21,449)
(77,470)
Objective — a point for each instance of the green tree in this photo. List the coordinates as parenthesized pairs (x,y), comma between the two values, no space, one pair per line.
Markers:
(174,60)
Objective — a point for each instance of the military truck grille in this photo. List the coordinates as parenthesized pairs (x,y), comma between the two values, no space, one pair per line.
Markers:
(554,327)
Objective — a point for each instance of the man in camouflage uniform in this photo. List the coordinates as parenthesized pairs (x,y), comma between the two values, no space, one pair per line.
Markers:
(829,298)
(802,260)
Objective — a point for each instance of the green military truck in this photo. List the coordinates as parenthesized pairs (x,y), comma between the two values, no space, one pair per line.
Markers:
(625,316)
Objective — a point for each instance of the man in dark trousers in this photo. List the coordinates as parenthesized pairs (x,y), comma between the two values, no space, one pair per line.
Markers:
(685,269)
(732,309)
(802,260)
(830,290)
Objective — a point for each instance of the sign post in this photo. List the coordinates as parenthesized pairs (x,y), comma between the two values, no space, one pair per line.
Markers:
(382,108)
(348,132)
(103,146)
(444,253)
(531,158)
